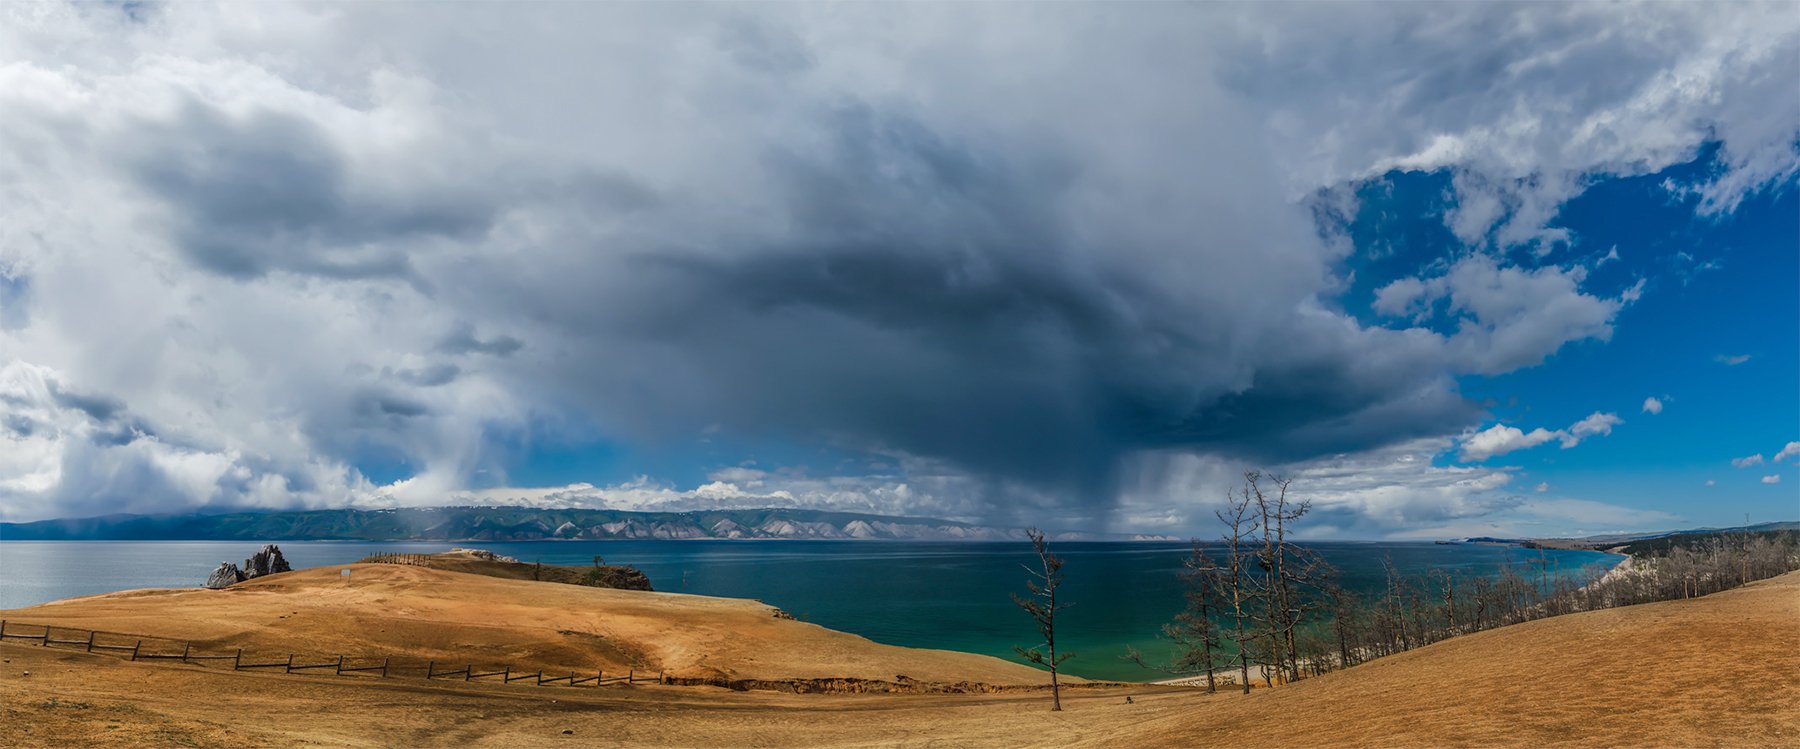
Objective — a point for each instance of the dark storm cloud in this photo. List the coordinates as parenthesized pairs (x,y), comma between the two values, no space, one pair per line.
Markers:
(109,422)
(271,191)
(378,408)
(462,340)
(757,44)
(927,296)
(98,407)
(433,376)
(19,425)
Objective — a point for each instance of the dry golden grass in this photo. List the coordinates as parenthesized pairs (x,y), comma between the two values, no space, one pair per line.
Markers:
(1719,671)
(457,618)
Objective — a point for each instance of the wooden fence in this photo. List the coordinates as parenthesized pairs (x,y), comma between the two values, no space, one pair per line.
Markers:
(416,560)
(142,648)
(387,666)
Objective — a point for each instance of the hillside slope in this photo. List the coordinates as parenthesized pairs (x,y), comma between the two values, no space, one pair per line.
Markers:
(1723,670)
(480,562)
(453,617)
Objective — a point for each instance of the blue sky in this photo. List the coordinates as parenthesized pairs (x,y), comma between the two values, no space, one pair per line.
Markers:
(1735,297)
(1075,266)
(1716,288)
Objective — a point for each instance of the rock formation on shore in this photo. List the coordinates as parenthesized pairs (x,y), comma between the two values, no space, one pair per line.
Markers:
(266,562)
(226,574)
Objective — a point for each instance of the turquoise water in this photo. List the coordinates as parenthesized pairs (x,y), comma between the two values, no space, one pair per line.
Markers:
(950,595)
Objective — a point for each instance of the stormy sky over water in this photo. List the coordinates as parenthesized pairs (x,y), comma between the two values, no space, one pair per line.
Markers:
(1458,268)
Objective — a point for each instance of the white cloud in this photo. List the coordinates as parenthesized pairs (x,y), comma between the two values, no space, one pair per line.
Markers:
(1543,486)
(1773,478)
(1400,297)
(1747,462)
(1594,424)
(1790,450)
(1501,439)
(1386,492)
(1711,482)
(1612,255)
(1633,293)
(1583,512)
(1652,405)
(911,487)
(1731,361)
(1512,317)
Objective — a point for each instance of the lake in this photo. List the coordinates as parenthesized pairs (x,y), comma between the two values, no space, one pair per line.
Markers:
(950,595)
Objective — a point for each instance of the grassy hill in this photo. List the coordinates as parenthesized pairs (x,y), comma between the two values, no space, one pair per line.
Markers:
(1720,670)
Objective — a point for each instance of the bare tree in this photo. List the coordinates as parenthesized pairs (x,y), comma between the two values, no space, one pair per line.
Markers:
(1042,606)
(1194,633)
(1286,567)
(1446,581)
(1345,622)
(1395,605)
(1237,580)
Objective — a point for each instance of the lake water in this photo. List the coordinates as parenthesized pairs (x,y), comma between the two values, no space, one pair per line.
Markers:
(950,595)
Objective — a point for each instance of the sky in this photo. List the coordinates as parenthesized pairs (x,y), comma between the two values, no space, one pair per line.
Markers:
(1455,269)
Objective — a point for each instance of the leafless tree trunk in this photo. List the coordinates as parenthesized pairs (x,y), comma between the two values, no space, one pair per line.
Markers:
(1449,601)
(1287,567)
(1042,605)
(1237,578)
(1194,633)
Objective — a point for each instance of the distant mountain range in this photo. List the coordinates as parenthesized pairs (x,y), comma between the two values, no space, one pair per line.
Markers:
(1779,525)
(519,524)
(1618,539)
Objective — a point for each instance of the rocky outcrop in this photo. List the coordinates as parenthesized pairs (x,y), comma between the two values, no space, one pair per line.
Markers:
(226,574)
(620,578)
(269,561)
(266,562)
(482,554)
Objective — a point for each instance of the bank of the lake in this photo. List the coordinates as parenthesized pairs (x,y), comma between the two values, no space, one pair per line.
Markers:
(950,595)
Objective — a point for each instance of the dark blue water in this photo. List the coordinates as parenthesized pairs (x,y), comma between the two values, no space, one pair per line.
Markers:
(951,595)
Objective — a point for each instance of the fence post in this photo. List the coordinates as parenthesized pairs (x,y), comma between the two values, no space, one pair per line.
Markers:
(662,677)
(90,641)
(631,676)
(290,664)
(46,641)
(134,649)
(2,629)
(430,668)
(186,647)
(467,672)
(384,663)
(237,660)
(340,666)
(505,675)
(599,677)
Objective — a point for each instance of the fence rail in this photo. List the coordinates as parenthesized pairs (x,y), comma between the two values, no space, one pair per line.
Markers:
(416,560)
(344,664)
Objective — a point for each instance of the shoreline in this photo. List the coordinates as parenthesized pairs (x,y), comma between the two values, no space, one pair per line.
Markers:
(1624,567)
